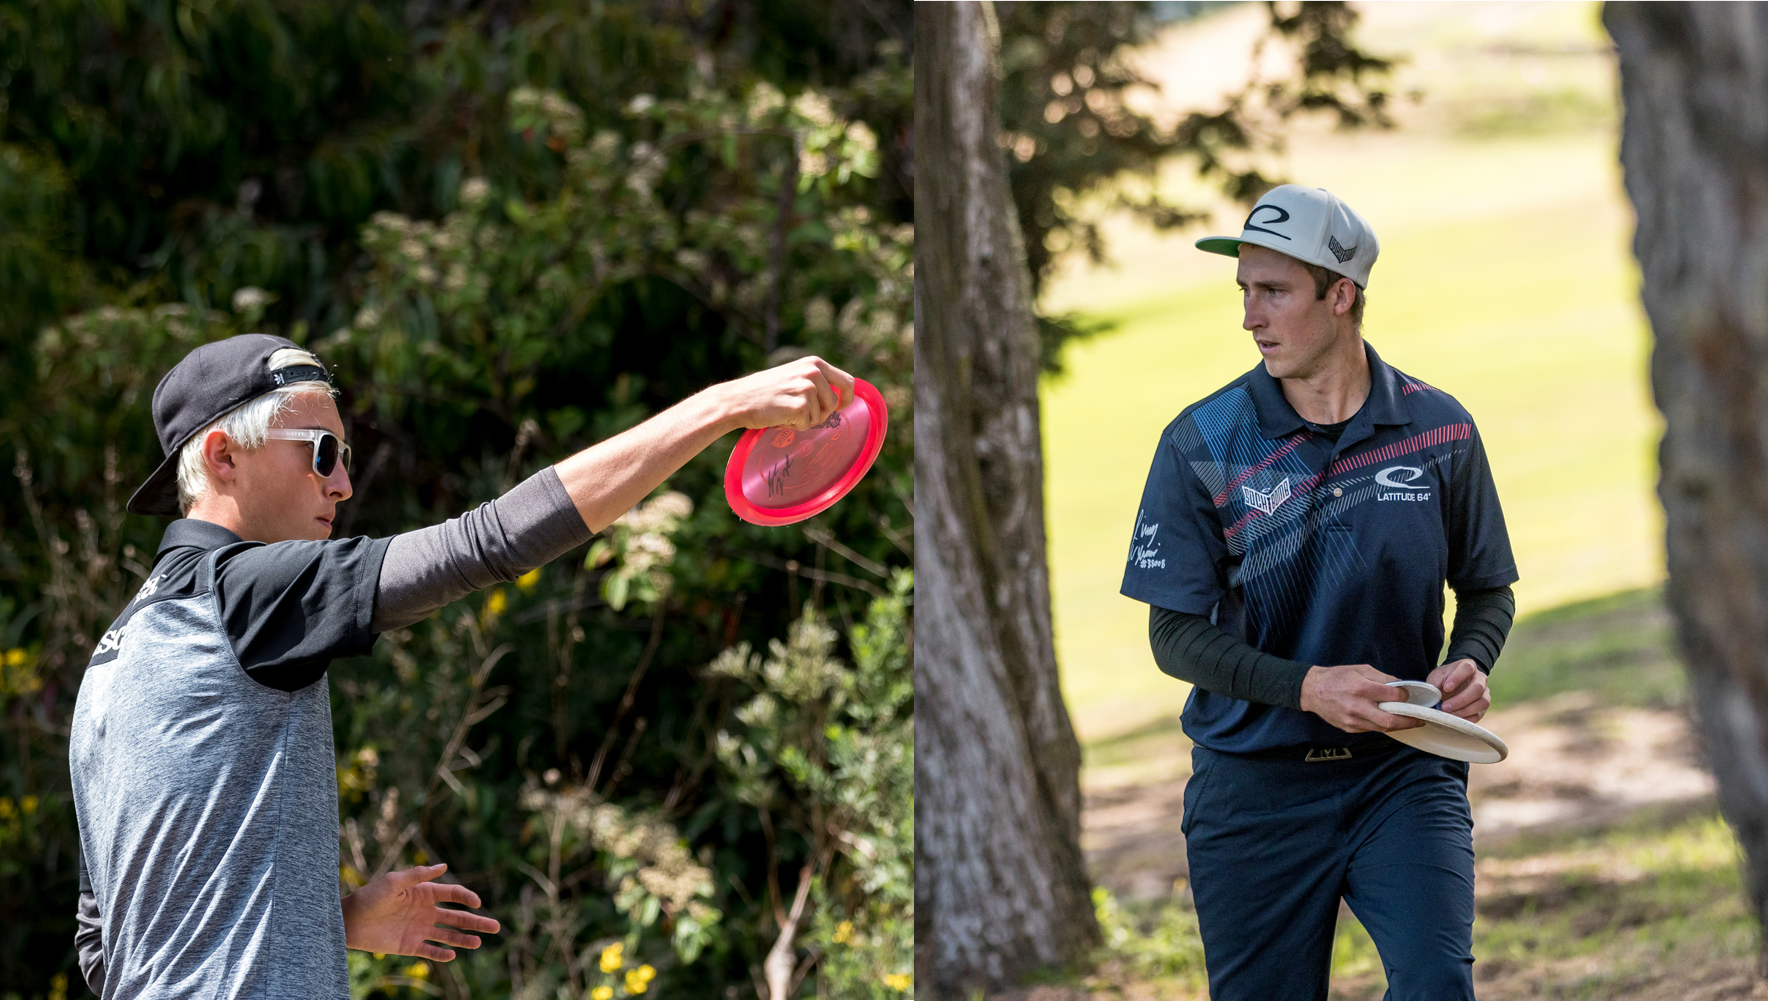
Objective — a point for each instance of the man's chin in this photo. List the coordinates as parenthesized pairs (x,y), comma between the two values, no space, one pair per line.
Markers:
(1277,368)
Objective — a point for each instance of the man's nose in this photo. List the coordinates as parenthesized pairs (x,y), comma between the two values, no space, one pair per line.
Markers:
(338,484)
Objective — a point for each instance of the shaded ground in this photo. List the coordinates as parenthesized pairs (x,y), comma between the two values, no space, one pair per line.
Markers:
(1604,870)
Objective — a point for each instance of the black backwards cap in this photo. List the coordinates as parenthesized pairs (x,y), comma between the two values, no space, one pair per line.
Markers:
(210,382)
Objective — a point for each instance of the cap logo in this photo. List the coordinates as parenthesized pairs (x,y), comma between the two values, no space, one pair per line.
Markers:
(1339,252)
(1281,216)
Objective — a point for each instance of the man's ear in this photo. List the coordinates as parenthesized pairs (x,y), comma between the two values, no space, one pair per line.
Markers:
(1344,296)
(219,457)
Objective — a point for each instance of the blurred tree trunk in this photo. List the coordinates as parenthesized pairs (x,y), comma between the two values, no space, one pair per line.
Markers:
(1694,80)
(1000,884)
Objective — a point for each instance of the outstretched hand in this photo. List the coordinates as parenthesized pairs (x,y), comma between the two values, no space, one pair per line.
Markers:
(799,394)
(1349,696)
(401,914)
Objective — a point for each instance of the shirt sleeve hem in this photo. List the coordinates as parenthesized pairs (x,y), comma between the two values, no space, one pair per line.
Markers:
(1189,605)
(1487,582)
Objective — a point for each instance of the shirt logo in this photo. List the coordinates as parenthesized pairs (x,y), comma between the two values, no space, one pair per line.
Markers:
(112,640)
(1401,479)
(150,588)
(1267,501)
(1142,551)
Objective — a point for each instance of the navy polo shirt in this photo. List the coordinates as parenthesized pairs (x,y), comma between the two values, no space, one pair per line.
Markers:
(1319,551)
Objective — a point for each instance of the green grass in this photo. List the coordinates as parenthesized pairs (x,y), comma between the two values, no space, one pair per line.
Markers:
(1619,646)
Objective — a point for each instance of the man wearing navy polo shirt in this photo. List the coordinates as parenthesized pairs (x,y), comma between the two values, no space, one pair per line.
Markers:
(1293,541)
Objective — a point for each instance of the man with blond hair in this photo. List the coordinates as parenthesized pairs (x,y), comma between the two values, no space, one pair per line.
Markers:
(201,747)
(1293,541)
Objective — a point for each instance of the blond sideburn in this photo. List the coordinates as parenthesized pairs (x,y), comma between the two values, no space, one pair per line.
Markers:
(246,425)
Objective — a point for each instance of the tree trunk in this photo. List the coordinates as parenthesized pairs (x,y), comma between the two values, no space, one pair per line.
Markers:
(1694,146)
(1000,884)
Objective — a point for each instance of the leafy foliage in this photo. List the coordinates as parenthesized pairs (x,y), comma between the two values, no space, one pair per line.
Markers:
(515,235)
(1073,137)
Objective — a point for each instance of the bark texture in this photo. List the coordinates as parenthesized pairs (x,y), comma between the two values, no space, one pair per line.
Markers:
(1694,146)
(1000,883)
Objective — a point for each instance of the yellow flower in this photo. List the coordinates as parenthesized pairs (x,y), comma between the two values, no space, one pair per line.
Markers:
(58,987)
(15,657)
(6,808)
(602,993)
(419,970)
(843,932)
(495,604)
(638,981)
(527,581)
(28,805)
(897,981)
(420,857)
(613,957)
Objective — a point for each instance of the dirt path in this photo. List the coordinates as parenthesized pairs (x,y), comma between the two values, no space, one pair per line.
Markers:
(1572,763)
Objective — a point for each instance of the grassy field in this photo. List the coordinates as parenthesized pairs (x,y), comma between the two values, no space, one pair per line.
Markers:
(1504,279)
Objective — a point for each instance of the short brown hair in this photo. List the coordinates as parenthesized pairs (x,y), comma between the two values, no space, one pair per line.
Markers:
(1324,279)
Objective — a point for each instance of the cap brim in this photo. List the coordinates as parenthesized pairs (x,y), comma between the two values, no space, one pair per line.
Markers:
(159,494)
(1227,246)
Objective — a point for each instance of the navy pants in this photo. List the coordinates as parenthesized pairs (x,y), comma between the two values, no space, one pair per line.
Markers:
(1275,842)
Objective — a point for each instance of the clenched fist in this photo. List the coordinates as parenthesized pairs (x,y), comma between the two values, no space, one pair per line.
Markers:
(799,394)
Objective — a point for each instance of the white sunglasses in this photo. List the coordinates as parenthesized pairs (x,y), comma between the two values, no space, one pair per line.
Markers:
(328,451)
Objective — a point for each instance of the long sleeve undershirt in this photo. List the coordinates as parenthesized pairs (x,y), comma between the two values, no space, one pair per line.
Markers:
(1194,649)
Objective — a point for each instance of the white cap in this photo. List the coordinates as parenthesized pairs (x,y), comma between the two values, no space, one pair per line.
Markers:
(1308,224)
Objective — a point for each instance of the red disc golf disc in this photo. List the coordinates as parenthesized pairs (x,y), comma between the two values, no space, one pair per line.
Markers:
(777,476)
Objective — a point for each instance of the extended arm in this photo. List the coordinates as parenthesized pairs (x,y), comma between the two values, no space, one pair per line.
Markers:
(562,506)
(606,480)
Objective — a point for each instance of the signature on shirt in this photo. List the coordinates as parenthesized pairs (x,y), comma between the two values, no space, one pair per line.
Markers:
(1142,551)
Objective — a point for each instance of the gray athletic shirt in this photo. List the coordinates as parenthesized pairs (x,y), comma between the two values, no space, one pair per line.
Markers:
(204,772)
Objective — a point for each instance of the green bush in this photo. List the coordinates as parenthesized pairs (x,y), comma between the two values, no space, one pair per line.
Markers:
(562,742)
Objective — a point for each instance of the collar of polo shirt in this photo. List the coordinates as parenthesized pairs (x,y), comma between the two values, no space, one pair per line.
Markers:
(1277,418)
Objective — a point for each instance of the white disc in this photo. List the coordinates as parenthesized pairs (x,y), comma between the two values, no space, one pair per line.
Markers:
(1419,693)
(1448,736)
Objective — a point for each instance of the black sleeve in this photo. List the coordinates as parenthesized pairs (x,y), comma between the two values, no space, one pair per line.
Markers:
(1192,648)
(1482,622)
(292,607)
(1479,543)
(89,935)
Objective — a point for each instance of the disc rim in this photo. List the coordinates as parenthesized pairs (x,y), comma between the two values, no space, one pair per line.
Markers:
(1466,728)
(773,517)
